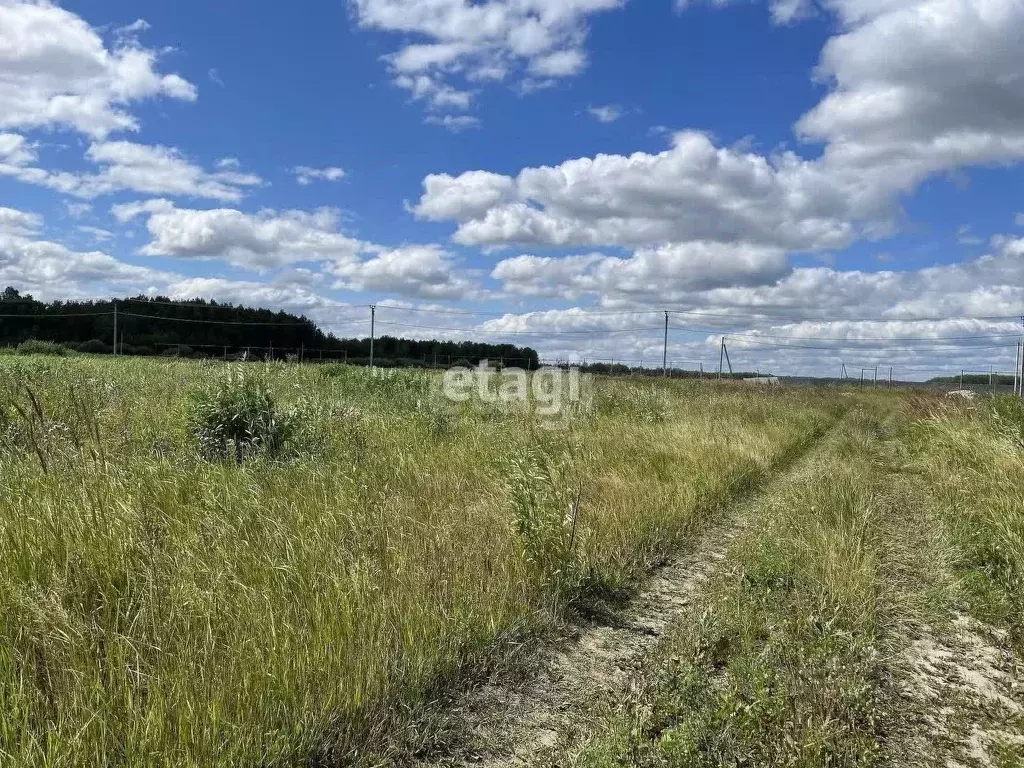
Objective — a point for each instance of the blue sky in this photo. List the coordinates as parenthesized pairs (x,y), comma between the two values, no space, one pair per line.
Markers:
(845,171)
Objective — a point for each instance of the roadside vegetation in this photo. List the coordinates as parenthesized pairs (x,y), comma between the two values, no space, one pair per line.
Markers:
(860,618)
(203,564)
(972,457)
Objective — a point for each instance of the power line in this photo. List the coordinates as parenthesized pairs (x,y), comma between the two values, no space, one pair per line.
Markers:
(877,347)
(588,312)
(201,304)
(752,335)
(61,316)
(215,322)
(797,314)
(592,332)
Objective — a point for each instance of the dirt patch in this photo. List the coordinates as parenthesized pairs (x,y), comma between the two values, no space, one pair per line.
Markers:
(515,724)
(965,697)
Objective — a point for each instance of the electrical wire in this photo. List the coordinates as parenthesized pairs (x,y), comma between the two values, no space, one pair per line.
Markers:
(484,331)
(69,314)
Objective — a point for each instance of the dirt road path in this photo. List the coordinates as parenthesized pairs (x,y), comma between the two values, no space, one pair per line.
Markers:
(517,724)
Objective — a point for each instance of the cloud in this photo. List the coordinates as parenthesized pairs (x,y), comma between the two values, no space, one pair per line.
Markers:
(468,196)
(464,42)
(19,223)
(809,321)
(920,87)
(51,270)
(987,286)
(77,210)
(15,150)
(56,72)
(965,236)
(694,191)
(664,274)
(125,165)
(428,271)
(454,123)
(914,89)
(306,175)
(279,295)
(608,113)
(276,240)
(783,11)
(96,233)
(264,240)
(434,91)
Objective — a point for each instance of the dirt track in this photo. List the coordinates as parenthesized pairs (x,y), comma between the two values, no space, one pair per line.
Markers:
(512,724)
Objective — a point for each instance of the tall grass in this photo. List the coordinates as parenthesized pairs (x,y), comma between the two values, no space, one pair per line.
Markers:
(785,660)
(973,459)
(160,605)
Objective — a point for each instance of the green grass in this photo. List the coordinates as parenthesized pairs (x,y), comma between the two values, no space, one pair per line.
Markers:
(159,608)
(787,658)
(972,457)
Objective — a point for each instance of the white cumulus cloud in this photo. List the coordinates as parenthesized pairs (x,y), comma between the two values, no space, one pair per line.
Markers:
(451,46)
(306,175)
(128,166)
(57,72)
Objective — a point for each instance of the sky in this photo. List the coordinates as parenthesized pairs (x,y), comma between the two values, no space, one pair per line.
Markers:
(823,183)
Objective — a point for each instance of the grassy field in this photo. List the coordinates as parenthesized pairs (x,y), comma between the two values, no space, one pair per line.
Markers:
(173,592)
(870,614)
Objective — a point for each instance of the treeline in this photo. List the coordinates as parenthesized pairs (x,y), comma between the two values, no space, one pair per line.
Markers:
(199,328)
(975,379)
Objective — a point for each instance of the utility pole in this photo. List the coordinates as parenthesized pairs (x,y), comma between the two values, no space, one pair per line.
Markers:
(890,377)
(721,359)
(1020,367)
(115,327)
(1016,370)
(664,356)
(373,320)
(875,382)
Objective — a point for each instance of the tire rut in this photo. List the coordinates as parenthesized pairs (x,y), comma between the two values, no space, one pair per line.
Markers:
(513,724)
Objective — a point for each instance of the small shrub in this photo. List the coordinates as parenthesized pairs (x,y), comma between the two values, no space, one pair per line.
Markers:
(239,419)
(546,508)
(39,347)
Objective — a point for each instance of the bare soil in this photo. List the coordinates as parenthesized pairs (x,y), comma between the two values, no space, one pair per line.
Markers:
(965,698)
(520,722)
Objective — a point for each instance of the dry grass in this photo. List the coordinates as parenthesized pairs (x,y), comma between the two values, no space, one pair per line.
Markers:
(159,608)
(790,656)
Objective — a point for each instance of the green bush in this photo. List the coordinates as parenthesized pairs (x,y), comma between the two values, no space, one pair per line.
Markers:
(239,419)
(39,347)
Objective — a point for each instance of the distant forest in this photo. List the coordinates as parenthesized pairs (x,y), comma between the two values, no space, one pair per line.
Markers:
(199,328)
(975,379)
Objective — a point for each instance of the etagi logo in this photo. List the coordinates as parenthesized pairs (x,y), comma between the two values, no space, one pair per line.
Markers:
(553,393)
